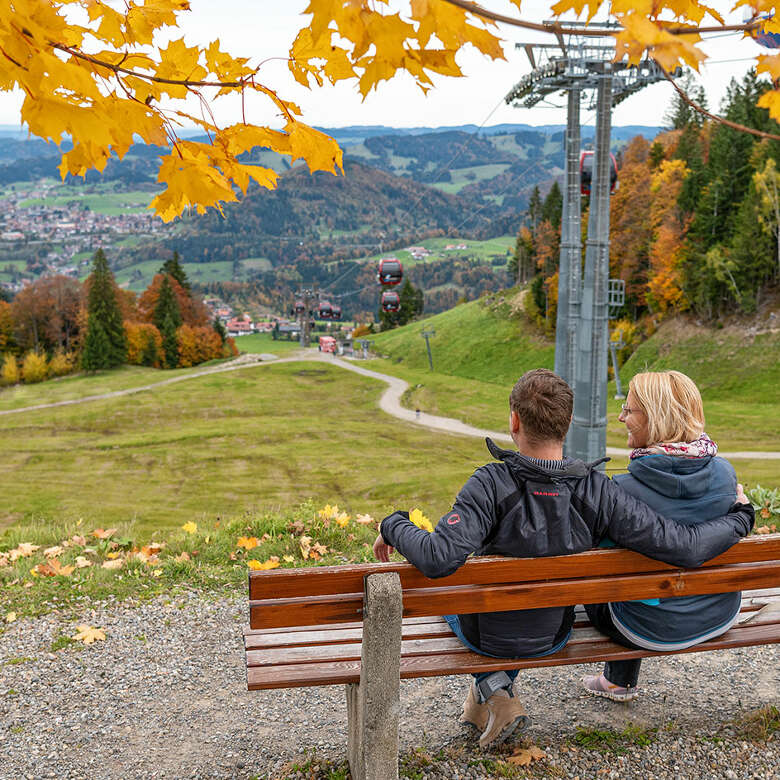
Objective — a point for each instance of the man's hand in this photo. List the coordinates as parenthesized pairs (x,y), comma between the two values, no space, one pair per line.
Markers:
(741,497)
(382,550)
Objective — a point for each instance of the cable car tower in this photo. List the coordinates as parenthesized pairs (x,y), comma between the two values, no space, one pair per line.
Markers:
(583,70)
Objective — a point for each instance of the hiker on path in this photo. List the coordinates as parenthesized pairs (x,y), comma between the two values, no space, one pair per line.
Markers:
(535,503)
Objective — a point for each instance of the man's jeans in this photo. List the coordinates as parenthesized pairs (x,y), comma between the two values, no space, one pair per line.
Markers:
(454,623)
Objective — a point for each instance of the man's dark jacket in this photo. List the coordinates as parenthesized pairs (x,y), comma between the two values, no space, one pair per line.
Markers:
(520,509)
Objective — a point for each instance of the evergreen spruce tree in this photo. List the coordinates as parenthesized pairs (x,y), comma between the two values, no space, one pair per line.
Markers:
(552,208)
(174,268)
(167,318)
(535,207)
(105,345)
(219,328)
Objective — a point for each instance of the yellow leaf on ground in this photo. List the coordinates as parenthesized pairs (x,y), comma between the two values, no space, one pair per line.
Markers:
(153,548)
(342,520)
(113,555)
(82,562)
(190,527)
(247,542)
(22,550)
(305,545)
(10,617)
(88,634)
(101,534)
(288,559)
(271,563)
(420,520)
(115,564)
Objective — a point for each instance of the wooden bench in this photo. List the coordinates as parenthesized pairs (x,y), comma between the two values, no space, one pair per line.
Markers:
(370,625)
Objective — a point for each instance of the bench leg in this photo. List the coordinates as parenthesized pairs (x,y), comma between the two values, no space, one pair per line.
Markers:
(373,705)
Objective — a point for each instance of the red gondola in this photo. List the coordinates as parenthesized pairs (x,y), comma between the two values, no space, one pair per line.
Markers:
(335,312)
(300,307)
(324,310)
(390,301)
(390,272)
(586,172)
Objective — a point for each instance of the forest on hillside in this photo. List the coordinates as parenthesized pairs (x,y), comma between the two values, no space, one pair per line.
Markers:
(693,226)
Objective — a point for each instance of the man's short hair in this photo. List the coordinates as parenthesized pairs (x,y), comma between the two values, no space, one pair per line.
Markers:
(543,402)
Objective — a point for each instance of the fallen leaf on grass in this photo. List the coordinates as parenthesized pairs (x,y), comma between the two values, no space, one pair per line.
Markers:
(271,563)
(23,550)
(88,634)
(4,560)
(53,552)
(288,559)
(113,556)
(247,542)
(79,540)
(342,520)
(104,534)
(117,563)
(328,512)
(763,529)
(420,520)
(184,556)
(52,568)
(10,617)
(524,756)
(305,544)
(153,548)
(190,527)
(296,528)
(82,562)
(364,520)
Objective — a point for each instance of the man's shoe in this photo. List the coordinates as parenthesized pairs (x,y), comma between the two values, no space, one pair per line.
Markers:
(505,715)
(599,685)
(474,713)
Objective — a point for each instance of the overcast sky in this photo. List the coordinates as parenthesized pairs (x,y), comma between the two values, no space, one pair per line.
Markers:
(263,29)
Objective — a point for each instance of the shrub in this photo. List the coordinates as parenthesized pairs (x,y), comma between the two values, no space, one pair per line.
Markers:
(144,344)
(34,368)
(61,363)
(9,374)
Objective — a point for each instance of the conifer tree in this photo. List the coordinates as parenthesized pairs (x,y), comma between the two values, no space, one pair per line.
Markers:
(106,343)
(535,207)
(219,328)
(174,268)
(552,208)
(167,318)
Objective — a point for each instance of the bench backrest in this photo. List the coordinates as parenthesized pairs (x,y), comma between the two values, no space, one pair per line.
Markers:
(334,594)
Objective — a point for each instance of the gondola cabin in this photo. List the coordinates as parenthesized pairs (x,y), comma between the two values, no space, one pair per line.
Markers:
(300,307)
(390,272)
(586,172)
(324,311)
(335,312)
(390,301)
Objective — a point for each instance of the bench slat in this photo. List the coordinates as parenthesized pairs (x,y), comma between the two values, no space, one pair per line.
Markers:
(324,580)
(443,599)
(463,661)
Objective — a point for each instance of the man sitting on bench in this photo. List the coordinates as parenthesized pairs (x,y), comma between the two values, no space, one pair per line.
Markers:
(536,503)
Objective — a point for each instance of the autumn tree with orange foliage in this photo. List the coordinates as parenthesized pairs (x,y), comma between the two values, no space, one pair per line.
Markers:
(192,310)
(197,345)
(144,344)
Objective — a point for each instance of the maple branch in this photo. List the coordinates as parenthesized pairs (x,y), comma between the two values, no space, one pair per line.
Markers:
(556,27)
(158,79)
(714,117)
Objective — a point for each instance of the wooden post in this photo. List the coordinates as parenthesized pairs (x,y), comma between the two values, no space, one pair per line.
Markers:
(373,705)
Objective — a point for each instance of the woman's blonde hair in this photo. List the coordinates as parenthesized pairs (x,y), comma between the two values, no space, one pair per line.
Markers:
(672,403)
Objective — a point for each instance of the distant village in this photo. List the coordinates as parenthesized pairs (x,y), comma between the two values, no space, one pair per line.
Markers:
(74,228)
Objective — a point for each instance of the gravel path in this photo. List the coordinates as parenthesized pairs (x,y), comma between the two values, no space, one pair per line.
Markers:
(164,697)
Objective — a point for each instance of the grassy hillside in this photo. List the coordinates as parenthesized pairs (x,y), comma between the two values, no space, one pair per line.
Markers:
(479,350)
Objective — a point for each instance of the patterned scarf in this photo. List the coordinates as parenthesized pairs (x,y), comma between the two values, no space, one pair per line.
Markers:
(703,447)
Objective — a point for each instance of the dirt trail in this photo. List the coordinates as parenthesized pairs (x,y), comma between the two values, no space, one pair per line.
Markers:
(390,400)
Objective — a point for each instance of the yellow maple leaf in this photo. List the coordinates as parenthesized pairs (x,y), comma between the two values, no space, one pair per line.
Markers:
(288,559)
(420,520)
(255,565)
(53,568)
(247,542)
(305,544)
(88,634)
(10,617)
(190,527)
(342,520)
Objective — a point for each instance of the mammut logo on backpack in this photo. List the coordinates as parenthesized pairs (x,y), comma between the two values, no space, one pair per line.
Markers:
(453,518)
(544,493)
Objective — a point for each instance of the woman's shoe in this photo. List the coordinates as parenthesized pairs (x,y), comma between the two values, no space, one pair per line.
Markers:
(599,685)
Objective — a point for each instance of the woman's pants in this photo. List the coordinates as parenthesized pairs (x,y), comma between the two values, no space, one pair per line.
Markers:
(622,673)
